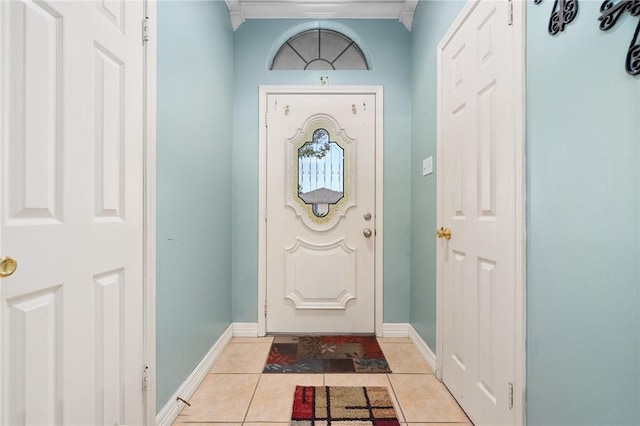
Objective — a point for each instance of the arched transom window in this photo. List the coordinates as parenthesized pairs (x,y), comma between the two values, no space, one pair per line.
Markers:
(319,49)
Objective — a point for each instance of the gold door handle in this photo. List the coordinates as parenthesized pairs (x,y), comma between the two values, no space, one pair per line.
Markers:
(7,266)
(444,233)
(367,233)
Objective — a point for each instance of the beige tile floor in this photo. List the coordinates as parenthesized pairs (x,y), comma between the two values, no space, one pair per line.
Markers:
(236,393)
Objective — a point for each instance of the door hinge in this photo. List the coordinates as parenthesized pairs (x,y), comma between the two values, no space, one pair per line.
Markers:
(266,216)
(510,395)
(266,120)
(510,11)
(265,308)
(145,378)
(145,30)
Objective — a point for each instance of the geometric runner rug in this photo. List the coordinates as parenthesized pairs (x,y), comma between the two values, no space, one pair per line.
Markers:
(335,406)
(326,354)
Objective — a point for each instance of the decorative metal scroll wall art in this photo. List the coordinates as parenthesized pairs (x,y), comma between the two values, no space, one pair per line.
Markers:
(563,13)
(610,13)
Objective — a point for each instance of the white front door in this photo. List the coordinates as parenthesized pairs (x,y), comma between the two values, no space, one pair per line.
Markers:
(478,165)
(320,224)
(71,212)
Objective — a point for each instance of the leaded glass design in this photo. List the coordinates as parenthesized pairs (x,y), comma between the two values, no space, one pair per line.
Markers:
(319,49)
(320,173)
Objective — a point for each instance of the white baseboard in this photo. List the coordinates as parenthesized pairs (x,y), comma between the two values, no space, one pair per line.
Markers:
(172,408)
(395,329)
(423,348)
(245,329)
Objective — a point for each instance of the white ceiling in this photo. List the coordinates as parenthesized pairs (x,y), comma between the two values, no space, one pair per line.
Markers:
(402,10)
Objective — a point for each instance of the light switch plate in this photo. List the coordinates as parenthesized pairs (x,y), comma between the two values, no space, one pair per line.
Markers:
(427,166)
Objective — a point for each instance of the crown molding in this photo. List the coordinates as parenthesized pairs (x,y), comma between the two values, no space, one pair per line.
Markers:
(241,10)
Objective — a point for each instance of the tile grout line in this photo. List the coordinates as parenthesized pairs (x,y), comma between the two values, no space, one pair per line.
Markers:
(246,412)
(404,417)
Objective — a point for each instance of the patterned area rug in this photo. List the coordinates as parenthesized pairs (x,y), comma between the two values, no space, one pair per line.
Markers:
(326,354)
(325,405)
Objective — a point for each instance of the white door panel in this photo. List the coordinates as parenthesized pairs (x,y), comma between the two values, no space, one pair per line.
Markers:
(478,167)
(71,315)
(320,265)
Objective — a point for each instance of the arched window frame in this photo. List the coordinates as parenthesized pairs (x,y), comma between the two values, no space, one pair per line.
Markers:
(351,48)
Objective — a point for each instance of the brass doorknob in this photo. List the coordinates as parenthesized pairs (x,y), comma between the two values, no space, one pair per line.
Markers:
(7,266)
(444,233)
(367,233)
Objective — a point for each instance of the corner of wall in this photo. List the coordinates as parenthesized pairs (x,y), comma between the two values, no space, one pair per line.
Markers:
(171,409)
(425,351)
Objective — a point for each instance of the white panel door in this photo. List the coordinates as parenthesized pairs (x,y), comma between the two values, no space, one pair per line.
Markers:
(478,167)
(320,213)
(71,212)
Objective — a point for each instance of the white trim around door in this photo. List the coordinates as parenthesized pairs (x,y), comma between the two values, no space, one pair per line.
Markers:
(149,129)
(264,92)
(519,85)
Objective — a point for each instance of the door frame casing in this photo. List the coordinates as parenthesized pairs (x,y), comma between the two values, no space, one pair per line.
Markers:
(264,92)
(519,64)
(149,210)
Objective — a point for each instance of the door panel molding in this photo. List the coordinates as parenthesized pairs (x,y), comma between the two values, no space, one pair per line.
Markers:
(264,92)
(519,92)
(294,263)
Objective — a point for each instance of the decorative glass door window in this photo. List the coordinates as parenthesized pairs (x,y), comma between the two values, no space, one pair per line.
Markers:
(321,173)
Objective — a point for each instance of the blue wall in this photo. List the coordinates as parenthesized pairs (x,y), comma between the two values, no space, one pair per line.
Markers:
(388,43)
(583,185)
(430,22)
(195,77)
